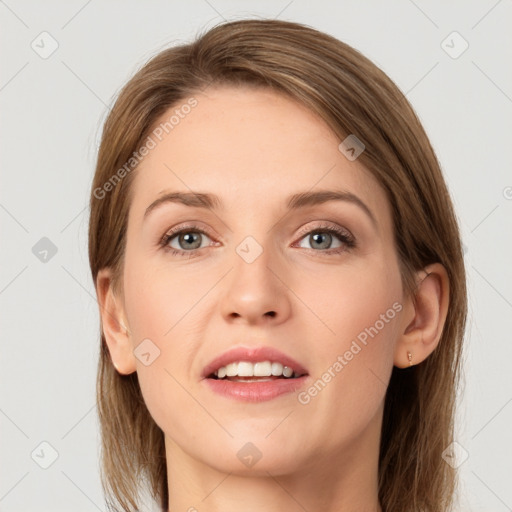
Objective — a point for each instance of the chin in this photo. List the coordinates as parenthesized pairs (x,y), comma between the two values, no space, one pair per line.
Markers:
(256,457)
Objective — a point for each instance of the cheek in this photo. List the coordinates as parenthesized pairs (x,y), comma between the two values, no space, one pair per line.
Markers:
(344,301)
(158,300)
(160,307)
(357,313)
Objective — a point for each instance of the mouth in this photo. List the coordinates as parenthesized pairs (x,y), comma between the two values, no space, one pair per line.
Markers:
(255,374)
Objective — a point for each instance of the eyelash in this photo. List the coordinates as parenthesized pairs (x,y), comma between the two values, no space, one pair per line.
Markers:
(345,237)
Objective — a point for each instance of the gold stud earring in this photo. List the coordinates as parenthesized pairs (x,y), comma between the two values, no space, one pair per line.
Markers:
(409,357)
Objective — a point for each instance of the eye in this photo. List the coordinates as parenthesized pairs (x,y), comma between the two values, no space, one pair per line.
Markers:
(323,238)
(183,240)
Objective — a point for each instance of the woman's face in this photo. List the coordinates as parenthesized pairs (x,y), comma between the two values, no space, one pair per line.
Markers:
(250,272)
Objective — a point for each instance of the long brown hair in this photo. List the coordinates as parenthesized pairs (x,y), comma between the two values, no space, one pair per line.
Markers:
(353,96)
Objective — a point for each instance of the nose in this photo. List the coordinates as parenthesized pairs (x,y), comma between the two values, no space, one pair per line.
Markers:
(256,292)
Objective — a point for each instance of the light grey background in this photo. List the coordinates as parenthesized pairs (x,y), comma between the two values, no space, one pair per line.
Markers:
(51,114)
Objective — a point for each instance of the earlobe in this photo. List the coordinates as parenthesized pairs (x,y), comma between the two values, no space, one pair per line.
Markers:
(424,317)
(113,322)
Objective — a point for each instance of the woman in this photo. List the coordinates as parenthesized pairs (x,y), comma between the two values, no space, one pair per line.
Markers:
(281,282)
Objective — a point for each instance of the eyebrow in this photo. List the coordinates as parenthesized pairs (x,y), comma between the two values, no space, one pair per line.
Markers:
(294,202)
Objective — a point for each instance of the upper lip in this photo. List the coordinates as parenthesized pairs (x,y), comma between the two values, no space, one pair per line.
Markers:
(252,355)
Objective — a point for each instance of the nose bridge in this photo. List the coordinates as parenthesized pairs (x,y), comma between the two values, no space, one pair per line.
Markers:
(255,293)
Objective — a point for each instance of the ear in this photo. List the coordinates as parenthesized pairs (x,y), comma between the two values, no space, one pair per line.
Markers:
(424,317)
(114,325)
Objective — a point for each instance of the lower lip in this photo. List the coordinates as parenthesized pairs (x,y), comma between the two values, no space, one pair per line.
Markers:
(256,391)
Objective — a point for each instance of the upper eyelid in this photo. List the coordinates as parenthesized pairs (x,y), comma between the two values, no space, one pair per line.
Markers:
(196,227)
(327,225)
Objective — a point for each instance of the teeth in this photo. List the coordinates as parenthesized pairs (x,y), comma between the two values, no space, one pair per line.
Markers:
(277,369)
(259,369)
(231,369)
(245,369)
(263,369)
(287,372)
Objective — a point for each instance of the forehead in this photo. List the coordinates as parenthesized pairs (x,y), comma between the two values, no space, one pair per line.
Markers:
(250,147)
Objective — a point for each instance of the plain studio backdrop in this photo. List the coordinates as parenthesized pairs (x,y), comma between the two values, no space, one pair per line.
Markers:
(62,63)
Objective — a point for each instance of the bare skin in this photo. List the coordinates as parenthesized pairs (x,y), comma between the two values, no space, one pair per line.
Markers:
(254,149)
